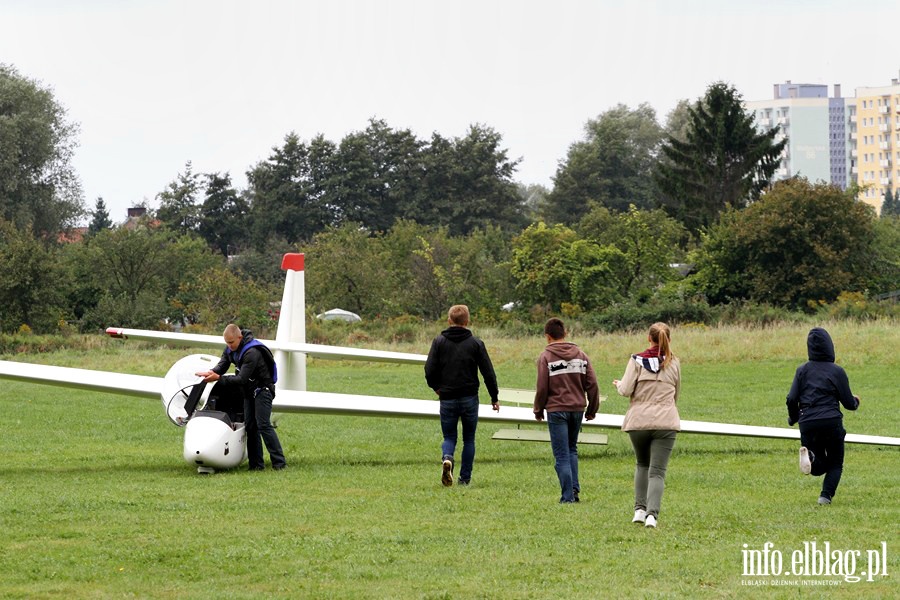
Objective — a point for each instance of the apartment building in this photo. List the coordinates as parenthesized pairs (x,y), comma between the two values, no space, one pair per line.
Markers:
(834,139)
(878,141)
(817,128)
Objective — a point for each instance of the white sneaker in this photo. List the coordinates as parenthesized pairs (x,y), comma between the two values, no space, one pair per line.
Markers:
(805,462)
(639,516)
(650,521)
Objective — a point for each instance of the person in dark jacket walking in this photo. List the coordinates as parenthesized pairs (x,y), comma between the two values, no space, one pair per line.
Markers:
(818,390)
(256,376)
(567,389)
(454,360)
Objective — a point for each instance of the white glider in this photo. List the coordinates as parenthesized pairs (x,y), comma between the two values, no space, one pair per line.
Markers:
(215,440)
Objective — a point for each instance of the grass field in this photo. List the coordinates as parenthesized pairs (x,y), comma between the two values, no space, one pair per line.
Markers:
(96,501)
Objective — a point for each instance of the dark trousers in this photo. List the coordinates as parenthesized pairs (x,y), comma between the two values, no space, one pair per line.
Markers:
(258,424)
(464,410)
(825,439)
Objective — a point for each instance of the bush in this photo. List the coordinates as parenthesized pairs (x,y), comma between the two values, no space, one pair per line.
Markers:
(752,314)
(634,316)
(855,305)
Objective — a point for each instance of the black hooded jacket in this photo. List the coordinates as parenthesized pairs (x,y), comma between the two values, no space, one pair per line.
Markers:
(453,363)
(819,386)
(253,368)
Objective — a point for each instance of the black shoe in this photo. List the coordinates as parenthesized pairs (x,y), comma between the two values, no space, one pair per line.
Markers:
(256,469)
(575,493)
(279,467)
(464,481)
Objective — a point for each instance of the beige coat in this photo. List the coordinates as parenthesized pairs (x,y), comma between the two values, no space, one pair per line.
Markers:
(653,397)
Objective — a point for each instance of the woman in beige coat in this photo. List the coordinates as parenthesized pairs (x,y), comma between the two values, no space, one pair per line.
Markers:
(652,380)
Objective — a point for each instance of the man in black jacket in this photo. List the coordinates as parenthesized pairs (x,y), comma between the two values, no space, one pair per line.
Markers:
(451,370)
(256,375)
(819,389)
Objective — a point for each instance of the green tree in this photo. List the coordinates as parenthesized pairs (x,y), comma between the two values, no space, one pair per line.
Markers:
(34,284)
(38,185)
(179,209)
(347,271)
(374,176)
(800,244)
(218,296)
(287,192)
(468,184)
(99,218)
(612,166)
(141,271)
(534,199)
(649,240)
(538,260)
(890,205)
(886,255)
(724,162)
(224,216)
(678,121)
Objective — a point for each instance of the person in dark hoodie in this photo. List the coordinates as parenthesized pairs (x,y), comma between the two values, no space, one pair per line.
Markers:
(256,376)
(451,370)
(567,389)
(818,390)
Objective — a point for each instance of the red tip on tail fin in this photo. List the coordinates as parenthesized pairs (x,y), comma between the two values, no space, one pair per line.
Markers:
(115,332)
(292,262)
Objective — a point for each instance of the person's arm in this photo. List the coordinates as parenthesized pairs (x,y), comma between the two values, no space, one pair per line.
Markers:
(793,399)
(625,386)
(592,390)
(541,388)
(846,397)
(487,373)
(433,366)
(217,371)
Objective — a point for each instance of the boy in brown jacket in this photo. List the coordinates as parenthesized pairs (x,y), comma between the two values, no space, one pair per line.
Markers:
(566,384)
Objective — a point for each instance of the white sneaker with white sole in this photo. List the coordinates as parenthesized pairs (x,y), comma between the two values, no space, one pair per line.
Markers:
(805,461)
(650,521)
(639,515)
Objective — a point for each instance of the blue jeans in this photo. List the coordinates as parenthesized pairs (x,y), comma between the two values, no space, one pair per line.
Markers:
(564,427)
(452,412)
(258,425)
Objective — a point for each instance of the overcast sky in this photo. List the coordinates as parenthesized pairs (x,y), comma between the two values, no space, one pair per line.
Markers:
(155,83)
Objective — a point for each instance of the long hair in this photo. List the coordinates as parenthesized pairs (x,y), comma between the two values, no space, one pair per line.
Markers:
(660,335)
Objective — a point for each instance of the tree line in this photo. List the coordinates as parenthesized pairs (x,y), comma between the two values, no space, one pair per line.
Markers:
(639,214)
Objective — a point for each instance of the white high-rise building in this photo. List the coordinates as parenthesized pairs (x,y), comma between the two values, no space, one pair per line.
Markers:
(834,139)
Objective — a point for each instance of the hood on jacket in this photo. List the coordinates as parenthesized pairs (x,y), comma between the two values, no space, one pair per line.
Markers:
(563,350)
(456,334)
(819,346)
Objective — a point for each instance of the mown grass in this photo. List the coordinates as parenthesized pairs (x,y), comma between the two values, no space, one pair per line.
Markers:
(97,503)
